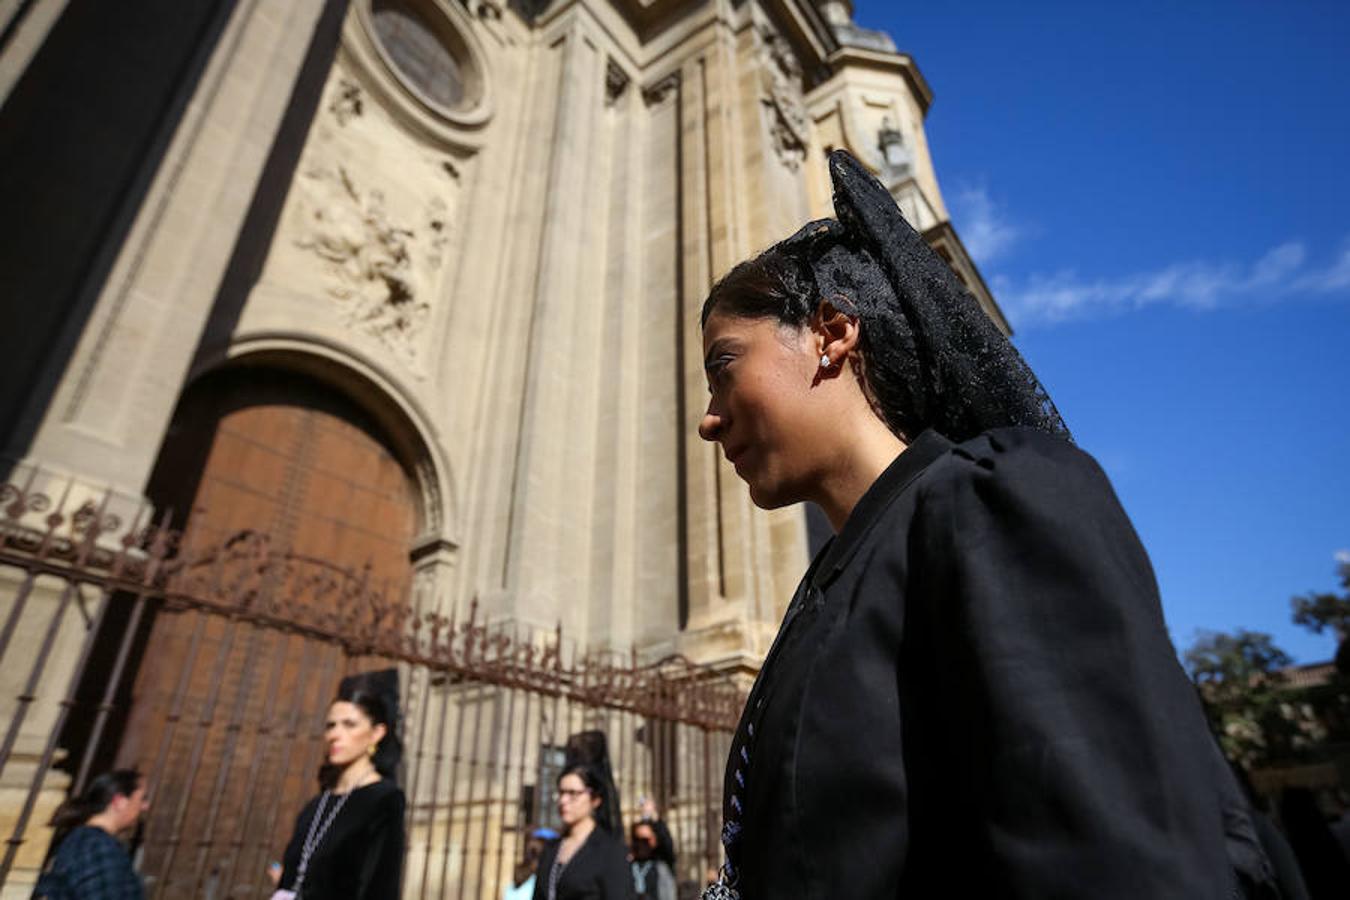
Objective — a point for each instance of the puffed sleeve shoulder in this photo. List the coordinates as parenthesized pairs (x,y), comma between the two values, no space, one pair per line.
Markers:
(1060,696)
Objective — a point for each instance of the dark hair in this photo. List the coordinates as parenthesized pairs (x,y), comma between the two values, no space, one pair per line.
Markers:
(664,847)
(381,707)
(95,798)
(595,783)
(932,359)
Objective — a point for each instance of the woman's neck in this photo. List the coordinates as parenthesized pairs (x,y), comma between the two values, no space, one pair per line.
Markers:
(581,830)
(105,822)
(359,772)
(869,452)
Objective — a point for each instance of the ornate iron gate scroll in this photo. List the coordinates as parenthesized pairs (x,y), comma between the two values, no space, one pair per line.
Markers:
(232,739)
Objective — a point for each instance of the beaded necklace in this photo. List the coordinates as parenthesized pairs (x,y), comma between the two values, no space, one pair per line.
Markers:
(318,828)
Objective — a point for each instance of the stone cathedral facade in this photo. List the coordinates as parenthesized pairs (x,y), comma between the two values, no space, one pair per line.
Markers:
(414,284)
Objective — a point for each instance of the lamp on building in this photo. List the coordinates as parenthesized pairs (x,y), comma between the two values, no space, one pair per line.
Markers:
(894,153)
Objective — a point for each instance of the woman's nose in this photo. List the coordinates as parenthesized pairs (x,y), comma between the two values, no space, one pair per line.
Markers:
(711,424)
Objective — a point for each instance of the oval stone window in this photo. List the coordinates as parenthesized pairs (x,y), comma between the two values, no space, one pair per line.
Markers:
(422,51)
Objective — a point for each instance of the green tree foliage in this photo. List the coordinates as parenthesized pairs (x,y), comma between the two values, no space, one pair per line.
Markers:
(1229,660)
(1318,612)
(1239,679)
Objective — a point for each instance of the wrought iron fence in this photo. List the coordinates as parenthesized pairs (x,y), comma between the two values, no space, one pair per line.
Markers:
(125,642)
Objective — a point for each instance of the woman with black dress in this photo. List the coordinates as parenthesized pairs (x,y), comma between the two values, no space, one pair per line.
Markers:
(348,842)
(972,693)
(588,862)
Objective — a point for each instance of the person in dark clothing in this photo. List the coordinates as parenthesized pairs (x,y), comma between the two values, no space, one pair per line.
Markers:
(972,692)
(665,841)
(90,862)
(589,861)
(653,878)
(348,842)
(1282,878)
(1325,868)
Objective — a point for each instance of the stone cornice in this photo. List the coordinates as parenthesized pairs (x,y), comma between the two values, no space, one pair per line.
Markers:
(901,63)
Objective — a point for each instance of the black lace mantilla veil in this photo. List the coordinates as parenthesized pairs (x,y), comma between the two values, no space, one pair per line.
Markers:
(963,375)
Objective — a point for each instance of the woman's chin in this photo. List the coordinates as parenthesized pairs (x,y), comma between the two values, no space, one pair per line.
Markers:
(770,496)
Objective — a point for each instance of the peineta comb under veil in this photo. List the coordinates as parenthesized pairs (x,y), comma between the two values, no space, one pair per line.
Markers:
(952,368)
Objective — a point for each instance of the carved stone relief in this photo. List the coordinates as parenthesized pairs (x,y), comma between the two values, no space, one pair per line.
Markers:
(347,102)
(781,95)
(369,256)
(369,222)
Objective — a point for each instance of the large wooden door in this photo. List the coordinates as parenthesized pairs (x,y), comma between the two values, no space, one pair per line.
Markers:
(277,453)
(226,713)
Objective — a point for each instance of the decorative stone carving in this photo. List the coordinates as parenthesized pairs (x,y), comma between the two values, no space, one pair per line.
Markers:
(370,256)
(347,102)
(781,95)
(896,158)
(657,93)
(616,82)
(368,225)
(434,506)
(487,9)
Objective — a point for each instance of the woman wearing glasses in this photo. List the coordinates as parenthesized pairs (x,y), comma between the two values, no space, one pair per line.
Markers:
(588,862)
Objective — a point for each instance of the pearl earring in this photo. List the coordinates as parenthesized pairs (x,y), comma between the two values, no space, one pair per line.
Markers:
(824,360)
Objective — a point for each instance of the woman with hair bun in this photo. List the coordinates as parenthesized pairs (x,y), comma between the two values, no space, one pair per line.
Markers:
(348,841)
(90,862)
(972,693)
(589,862)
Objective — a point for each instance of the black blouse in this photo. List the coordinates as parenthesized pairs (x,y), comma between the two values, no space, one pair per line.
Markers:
(597,871)
(361,855)
(973,694)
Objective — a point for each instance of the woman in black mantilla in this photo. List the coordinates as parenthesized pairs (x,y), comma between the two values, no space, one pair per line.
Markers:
(348,842)
(972,692)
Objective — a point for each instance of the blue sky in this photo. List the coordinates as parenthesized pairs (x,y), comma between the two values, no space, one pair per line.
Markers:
(1159,195)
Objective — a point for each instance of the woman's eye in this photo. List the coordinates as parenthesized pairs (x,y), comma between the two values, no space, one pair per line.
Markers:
(717,372)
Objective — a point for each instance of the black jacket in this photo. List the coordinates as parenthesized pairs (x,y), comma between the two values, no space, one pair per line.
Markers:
(973,694)
(360,856)
(597,871)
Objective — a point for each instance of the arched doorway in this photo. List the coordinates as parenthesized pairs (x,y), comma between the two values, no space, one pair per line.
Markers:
(225,714)
(281,453)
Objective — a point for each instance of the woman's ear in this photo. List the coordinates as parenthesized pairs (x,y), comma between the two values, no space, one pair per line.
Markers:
(379,731)
(837,333)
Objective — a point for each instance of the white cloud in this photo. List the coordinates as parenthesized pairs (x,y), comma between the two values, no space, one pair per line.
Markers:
(1335,277)
(1280,272)
(985,230)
